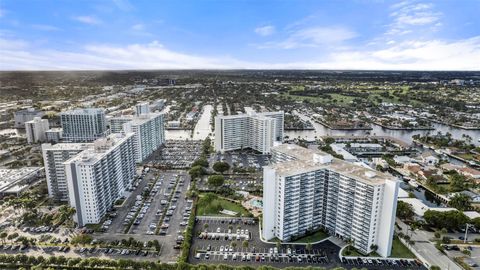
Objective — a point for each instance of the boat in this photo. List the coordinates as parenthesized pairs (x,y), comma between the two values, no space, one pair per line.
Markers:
(413,183)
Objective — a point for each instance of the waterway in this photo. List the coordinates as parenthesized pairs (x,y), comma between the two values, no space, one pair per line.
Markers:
(404,135)
(422,194)
(203,127)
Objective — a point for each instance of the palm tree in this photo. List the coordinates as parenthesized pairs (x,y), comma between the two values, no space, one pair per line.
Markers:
(308,246)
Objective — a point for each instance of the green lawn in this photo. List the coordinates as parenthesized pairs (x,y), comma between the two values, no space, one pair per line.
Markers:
(399,250)
(317,236)
(212,206)
(354,253)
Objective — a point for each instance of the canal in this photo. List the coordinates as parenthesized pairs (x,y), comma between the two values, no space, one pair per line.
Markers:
(404,135)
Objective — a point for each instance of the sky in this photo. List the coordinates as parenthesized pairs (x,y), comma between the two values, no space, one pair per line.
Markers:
(239,34)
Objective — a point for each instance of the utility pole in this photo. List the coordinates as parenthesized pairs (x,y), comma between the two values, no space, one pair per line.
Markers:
(466,232)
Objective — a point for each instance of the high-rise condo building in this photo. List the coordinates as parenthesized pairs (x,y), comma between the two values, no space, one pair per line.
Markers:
(142,108)
(83,125)
(53,158)
(149,134)
(257,131)
(97,177)
(306,190)
(116,123)
(36,129)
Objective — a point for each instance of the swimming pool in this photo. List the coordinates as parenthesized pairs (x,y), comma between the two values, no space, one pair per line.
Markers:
(256,203)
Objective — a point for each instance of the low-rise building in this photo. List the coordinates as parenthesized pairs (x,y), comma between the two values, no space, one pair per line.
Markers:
(14,181)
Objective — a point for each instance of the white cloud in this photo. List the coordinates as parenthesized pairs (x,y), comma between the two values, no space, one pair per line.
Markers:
(92,20)
(407,55)
(138,27)
(124,5)
(312,37)
(408,16)
(45,27)
(266,30)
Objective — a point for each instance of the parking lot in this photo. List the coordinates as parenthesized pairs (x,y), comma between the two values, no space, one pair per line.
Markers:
(176,154)
(236,241)
(225,240)
(156,210)
(241,159)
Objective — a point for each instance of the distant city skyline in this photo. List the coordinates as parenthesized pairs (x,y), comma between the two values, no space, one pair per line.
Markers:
(305,34)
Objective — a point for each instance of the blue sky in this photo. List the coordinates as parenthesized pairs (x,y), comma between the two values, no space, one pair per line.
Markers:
(277,34)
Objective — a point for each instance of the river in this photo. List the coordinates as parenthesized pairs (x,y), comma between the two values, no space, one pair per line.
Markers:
(404,135)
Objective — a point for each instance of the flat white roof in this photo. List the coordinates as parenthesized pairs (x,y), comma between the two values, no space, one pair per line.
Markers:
(420,208)
(10,177)
(305,162)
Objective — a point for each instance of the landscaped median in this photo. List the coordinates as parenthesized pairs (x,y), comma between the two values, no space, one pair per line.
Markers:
(187,242)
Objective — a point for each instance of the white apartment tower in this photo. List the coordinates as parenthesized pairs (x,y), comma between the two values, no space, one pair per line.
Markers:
(83,125)
(257,131)
(36,129)
(142,108)
(306,190)
(97,177)
(149,134)
(53,158)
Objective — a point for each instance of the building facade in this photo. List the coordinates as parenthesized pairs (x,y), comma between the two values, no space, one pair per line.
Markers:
(36,129)
(22,116)
(97,177)
(258,131)
(305,190)
(83,125)
(54,135)
(149,134)
(53,158)
(116,123)
(142,108)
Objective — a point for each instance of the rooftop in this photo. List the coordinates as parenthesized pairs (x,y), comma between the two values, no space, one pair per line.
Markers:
(249,114)
(308,160)
(83,111)
(66,146)
(10,177)
(101,147)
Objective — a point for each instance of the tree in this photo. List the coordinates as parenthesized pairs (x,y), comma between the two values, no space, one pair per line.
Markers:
(3,235)
(278,244)
(460,201)
(404,210)
(196,171)
(221,166)
(457,182)
(200,162)
(216,181)
(434,267)
(450,220)
(245,244)
(308,246)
